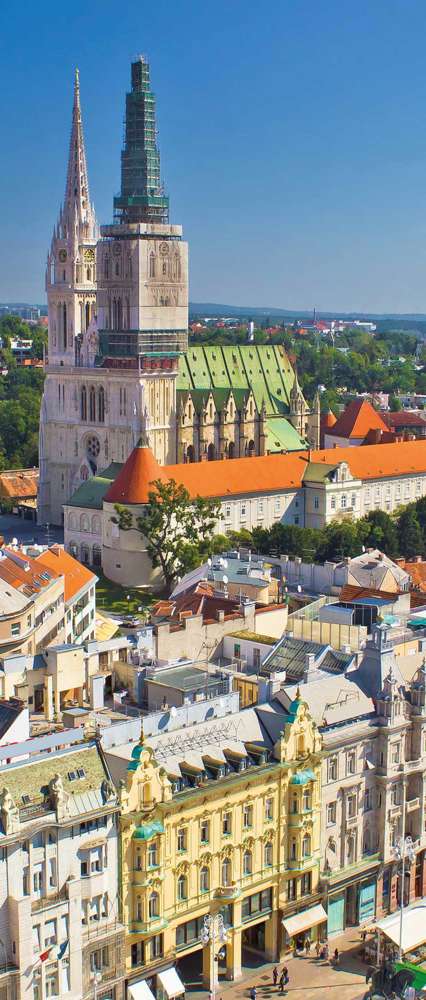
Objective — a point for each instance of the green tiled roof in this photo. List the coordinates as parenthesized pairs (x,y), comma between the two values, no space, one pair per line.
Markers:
(316,472)
(148,830)
(263,368)
(91,493)
(282,436)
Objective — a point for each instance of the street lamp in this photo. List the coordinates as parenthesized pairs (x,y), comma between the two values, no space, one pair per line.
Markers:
(214,933)
(403,848)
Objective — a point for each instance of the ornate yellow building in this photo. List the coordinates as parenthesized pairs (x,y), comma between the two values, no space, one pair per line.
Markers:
(220,821)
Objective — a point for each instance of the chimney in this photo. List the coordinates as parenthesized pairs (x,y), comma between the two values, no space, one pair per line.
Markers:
(310,667)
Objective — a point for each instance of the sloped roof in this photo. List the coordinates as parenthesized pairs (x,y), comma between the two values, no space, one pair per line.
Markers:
(76,576)
(263,368)
(91,493)
(19,484)
(327,420)
(281,435)
(417,571)
(262,473)
(200,600)
(404,418)
(24,573)
(358,418)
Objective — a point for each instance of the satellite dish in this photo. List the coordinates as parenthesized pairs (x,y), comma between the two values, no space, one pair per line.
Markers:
(225,579)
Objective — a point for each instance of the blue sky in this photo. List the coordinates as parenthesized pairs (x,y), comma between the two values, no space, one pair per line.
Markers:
(292,137)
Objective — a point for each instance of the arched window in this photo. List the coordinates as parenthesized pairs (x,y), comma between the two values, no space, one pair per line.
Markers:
(84,522)
(85,554)
(182,891)
(231,450)
(87,317)
(74,549)
(151,265)
(101,404)
(92,404)
(211,454)
(154,905)
(139,909)
(226,872)
(307,800)
(117,268)
(128,313)
(247,863)
(204,879)
(119,314)
(96,524)
(88,274)
(306,846)
(106,267)
(251,448)
(190,454)
(177,267)
(84,403)
(267,855)
(64,322)
(72,522)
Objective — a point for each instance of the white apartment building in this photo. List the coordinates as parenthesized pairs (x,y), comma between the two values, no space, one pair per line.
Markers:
(59,896)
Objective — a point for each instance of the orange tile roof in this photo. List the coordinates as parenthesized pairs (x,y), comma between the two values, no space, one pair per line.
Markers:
(23,573)
(417,571)
(328,420)
(358,418)
(19,483)
(262,474)
(75,575)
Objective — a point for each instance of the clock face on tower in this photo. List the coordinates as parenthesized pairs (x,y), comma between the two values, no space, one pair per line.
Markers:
(164,249)
(62,256)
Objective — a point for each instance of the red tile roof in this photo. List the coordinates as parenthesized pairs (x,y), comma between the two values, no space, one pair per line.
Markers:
(262,474)
(76,576)
(19,484)
(201,599)
(358,418)
(24,573)
(404,419)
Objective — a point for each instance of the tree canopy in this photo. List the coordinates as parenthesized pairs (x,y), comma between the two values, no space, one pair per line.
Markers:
(178,529)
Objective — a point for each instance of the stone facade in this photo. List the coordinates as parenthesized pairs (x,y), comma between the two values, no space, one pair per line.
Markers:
(118,364)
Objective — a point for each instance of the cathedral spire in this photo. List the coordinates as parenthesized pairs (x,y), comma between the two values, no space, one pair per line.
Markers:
(77,216)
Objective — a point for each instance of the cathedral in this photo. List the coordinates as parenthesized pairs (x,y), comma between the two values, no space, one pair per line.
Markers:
(118,366)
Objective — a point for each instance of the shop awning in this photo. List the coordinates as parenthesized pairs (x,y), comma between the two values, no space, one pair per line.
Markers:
(140,991)
(413,926)
(171,983)
(303,921)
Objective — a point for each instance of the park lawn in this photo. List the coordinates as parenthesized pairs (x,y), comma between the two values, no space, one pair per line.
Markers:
(110,597)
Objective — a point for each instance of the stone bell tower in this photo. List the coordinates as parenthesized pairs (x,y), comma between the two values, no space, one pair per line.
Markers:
(71,298)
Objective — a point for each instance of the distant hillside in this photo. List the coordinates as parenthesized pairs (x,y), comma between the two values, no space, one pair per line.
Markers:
(219,309)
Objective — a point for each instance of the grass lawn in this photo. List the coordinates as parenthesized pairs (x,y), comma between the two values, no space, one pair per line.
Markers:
(110,597)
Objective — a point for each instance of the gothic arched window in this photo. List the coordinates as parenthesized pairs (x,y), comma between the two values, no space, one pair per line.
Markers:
(151,265)
(84,403)
(64,322)
(226,872)
(154,904)
(92,404)
(101,404)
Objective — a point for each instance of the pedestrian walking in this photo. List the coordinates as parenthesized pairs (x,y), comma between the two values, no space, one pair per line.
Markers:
(282,977)
(307,945)
(336,956)
(326,951)
(318,947)
(275,975)
(253,993)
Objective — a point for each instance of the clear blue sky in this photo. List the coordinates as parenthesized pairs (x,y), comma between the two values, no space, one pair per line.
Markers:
(292,136)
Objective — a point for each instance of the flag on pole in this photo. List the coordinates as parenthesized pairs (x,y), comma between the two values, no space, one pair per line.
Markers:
(54,952)
(44,954)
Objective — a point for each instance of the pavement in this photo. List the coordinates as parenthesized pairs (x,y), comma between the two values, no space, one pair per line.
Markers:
(308,976)
(28,532)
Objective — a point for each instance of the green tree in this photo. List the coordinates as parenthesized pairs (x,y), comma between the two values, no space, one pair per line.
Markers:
(395,404)
(378,531)
(338,540)
(410,534)
(178,529)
